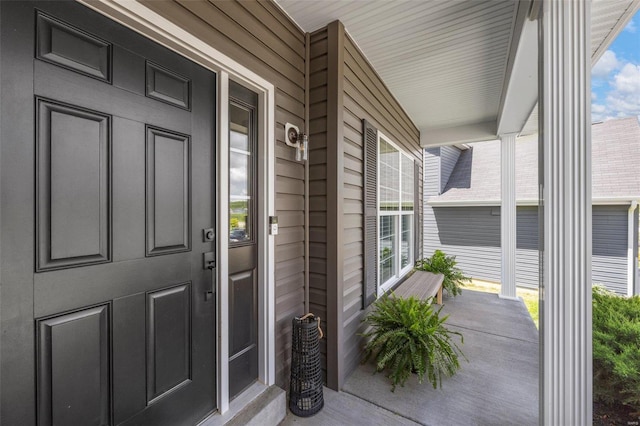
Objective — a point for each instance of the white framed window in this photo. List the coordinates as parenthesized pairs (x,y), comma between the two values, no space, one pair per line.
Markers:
(396,199)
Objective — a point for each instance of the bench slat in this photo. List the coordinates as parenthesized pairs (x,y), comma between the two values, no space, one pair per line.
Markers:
(422,285)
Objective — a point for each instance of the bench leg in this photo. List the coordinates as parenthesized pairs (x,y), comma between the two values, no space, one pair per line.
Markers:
(439,296)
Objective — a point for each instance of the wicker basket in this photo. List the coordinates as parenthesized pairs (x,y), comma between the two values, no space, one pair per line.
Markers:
(306,375)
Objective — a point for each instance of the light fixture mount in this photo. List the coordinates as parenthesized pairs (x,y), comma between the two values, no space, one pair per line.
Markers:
(295,139)
(291,135)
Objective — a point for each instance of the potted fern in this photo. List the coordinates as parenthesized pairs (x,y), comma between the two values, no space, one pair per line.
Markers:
(408,336)
(440,263)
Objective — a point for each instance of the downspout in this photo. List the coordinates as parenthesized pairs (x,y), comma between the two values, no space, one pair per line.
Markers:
(631,269)
(307,59)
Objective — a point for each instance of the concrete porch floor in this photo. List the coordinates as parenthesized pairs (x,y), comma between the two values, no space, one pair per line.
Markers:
(498,386)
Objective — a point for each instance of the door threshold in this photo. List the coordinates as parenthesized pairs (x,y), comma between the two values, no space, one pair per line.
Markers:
(235,406)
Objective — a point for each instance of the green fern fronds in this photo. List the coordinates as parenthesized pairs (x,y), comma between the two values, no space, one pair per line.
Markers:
(408,336)
(440,263)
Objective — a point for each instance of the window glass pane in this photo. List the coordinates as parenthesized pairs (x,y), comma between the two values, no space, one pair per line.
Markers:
(387,247)
(240,179)
(405,249)
(239,220)
(389,177)
(239,174)
(407,183)
(239,122)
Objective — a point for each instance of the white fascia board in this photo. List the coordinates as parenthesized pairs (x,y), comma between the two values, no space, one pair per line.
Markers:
(458,134)
(614,201)
(477,203)
(520,92)
(462,203)
(609,201)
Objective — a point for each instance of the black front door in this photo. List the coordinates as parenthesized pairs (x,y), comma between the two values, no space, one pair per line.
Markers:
(243,239)
(107,179)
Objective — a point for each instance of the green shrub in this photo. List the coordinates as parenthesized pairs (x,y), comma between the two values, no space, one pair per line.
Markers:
(616,348)
(408,336)
(445,265)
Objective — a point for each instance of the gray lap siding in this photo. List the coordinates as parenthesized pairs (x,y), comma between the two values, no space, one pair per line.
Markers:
(365,97)
(344,90)
(472,234)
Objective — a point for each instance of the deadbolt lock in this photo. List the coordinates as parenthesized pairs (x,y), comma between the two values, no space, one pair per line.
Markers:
(208,235)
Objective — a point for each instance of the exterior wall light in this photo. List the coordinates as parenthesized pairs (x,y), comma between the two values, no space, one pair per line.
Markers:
(298,140)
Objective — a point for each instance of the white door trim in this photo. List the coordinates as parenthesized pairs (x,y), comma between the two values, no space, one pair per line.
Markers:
(222,293)
(155,27)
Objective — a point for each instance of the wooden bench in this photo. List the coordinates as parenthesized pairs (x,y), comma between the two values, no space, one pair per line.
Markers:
(421,285)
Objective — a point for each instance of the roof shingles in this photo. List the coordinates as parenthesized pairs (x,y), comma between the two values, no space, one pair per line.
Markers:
(615,167)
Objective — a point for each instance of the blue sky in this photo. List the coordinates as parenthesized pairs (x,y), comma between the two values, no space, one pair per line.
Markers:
(615,78)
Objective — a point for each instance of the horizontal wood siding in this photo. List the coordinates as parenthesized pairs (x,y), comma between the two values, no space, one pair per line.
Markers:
(365,97)
(318,182)
(258,35)
(449,157)
(472,234)
(609,264)
(527,254)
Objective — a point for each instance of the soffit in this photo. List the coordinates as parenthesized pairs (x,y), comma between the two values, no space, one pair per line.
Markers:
(608,18)
(444,61)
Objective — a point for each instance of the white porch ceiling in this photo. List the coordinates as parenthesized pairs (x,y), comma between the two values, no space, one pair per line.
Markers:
(445,61)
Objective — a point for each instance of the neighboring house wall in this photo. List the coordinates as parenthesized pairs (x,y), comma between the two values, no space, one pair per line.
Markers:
(610,263)
(431,173)
(344,90)
(527,248)
(472,234)
(448,158)
(261,37)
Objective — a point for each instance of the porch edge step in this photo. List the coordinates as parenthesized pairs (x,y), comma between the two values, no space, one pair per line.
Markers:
(270,408)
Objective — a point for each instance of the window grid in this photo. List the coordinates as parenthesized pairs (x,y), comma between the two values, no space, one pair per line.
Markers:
(395,213)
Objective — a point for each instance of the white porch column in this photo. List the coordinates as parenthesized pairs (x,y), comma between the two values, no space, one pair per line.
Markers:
(565,159)
(508,215)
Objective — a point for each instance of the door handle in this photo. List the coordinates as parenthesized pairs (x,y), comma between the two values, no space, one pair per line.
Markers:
(209,262)
(208,294)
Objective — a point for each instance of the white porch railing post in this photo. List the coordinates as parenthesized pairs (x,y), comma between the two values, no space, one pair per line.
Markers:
(565,156)
(508,215)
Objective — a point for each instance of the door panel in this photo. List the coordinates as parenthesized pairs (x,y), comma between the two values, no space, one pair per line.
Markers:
(74,368)
(243,240)
(167,86)
(243,304)
(120,151)
(73,178)
(168,340)
(64,45)
(168,186)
